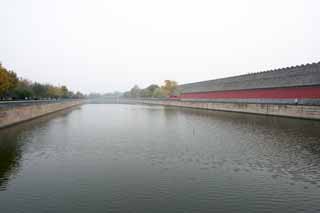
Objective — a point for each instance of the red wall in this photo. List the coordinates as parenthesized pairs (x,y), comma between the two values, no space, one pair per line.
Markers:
(276,93)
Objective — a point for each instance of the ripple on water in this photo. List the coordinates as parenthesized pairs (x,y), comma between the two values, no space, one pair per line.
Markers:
(124,158)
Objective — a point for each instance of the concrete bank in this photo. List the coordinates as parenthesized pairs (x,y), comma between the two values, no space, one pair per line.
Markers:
(20,111)
(296,111)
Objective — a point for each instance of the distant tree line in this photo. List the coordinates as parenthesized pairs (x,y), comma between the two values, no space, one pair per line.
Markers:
(168,89)
(104,95)
(14,88)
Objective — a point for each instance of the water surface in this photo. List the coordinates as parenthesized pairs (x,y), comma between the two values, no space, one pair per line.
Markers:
(133,158)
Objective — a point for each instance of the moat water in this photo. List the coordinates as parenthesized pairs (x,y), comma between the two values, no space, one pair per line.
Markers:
(135,158)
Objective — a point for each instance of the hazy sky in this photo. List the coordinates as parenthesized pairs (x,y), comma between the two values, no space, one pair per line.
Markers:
(101,45)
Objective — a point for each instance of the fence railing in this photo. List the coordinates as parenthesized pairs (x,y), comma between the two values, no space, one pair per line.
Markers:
(10,104)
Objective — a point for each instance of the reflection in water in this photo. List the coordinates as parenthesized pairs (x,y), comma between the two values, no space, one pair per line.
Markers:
(12,140)
(131,158)
(283,146)
(10,154)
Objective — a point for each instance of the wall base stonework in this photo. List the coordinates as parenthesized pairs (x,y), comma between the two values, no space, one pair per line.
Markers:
(13,113)
(296,111)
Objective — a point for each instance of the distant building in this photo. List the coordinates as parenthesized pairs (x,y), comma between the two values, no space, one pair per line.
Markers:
(291,85)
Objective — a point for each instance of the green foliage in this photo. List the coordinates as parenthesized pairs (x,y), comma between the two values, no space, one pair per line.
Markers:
(13,88)
(149,91)
(23,90)
(4,81)
(64,91)
(154,91)
(8,80)
(158,93)
(79,95)
(40,90)
(135,92)
(169,87)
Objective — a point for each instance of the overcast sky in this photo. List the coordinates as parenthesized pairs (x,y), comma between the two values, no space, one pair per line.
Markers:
(102,46)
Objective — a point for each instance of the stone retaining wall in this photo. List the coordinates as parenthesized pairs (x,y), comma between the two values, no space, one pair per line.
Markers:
(16,112)
(296,111)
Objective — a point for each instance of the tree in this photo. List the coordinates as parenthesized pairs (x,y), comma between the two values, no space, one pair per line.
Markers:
(79,95)
(23,90)
(13,87)
(148,92)
(126,94)
(8,81)
(158,93)
(65,92)
(40,90)
(169,87)
(13,80)
(54,92)
(4,81)
(135,92)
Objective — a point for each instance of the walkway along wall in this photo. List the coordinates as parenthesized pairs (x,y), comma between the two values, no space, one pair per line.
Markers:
(20,111)
(296,111)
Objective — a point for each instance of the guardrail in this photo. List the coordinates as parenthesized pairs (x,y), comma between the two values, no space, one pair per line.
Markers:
(11,104)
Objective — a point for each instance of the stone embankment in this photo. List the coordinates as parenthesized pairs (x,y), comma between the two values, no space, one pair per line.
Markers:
(286,110)
(14,112)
